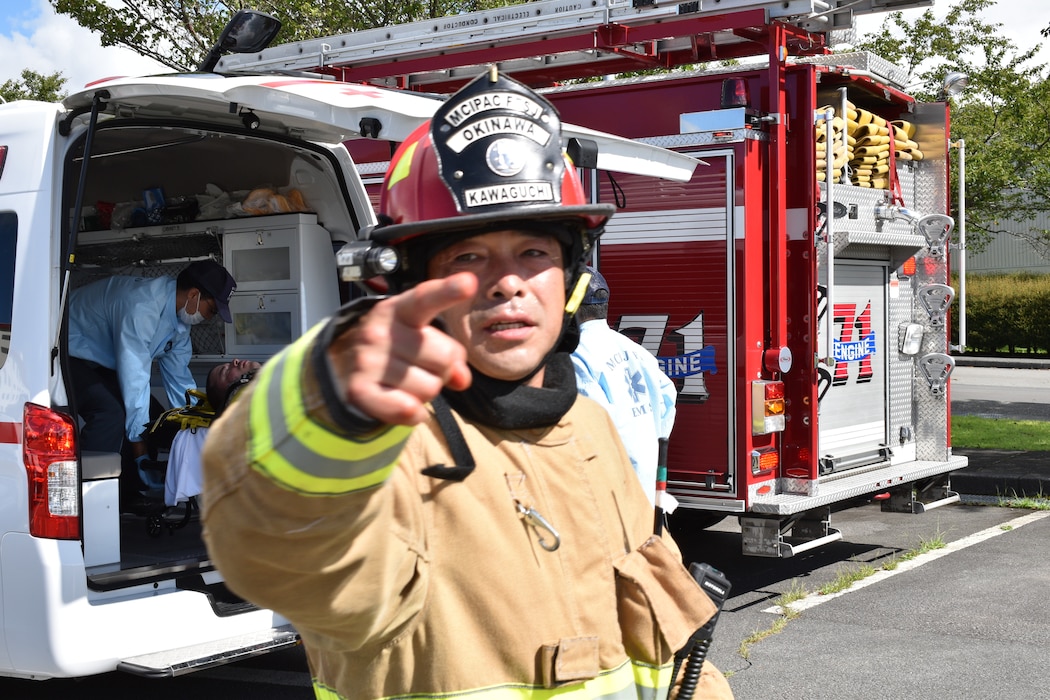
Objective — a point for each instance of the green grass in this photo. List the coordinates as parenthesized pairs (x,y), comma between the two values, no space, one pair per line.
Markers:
(1036,502)
(1000,433)
(795,593)
(846,577)
(925,545)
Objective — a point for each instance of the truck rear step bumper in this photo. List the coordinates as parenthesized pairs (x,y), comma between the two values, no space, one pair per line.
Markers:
(177,662)
(841,487)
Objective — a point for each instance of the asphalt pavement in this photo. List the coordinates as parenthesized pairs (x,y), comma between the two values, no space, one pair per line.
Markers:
(1003,472)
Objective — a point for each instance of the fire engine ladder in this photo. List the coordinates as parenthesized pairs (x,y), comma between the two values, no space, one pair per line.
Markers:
(550,40)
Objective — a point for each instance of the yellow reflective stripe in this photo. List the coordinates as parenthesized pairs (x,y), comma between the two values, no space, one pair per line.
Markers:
(321,441)
(651,679)
(301,454)
(322,692)
(630,681)
(402,167)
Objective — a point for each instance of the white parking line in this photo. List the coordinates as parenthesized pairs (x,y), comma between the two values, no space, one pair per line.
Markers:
(814,599)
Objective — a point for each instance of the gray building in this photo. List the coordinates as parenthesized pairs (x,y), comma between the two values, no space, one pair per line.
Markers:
(1008,253)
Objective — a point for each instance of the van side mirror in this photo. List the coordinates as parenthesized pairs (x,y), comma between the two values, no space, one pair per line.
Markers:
(248,31)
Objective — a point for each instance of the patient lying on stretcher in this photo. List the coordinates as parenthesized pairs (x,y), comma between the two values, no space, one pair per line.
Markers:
(182,480)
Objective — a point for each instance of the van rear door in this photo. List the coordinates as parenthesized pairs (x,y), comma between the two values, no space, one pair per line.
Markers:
(329,112)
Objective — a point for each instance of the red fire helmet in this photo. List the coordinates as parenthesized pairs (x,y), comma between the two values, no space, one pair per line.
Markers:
(490,159)
(417,201)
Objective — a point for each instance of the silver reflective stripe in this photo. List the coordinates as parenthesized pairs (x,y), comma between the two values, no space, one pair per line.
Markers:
(287,444)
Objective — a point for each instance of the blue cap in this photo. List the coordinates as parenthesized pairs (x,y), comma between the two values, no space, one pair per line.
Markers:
(597,288)
(213,278)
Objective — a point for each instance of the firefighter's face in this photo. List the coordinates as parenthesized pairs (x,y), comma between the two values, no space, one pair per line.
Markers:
(515,318)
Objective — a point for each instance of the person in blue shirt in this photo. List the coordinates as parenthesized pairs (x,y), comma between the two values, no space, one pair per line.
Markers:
(626,380)
(117,327)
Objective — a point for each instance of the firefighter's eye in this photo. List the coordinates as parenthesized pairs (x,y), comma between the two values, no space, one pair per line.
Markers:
(464,258)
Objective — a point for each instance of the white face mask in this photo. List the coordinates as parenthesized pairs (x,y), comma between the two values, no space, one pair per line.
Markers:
(191,319)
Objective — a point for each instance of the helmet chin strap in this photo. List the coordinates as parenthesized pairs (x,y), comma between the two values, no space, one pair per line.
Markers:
(577,294)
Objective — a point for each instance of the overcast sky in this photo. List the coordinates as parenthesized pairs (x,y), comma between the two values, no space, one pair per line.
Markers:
(33,36)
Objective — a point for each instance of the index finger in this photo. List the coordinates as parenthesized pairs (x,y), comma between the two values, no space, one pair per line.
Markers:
(420,305)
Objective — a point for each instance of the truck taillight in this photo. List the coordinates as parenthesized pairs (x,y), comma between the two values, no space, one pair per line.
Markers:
(764,460)
(49,453)
(767,407)
(910,266)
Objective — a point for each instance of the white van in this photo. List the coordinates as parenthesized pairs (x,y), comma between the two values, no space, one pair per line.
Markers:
(85,588)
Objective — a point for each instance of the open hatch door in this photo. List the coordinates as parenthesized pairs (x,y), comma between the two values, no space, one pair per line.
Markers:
(329,112)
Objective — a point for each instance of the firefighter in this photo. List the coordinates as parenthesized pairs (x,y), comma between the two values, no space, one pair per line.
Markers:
(416,484)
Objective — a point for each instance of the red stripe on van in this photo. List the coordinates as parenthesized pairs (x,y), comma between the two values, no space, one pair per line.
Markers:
(11,432)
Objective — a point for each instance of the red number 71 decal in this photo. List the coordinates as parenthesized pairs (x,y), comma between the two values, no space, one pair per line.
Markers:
(850,348)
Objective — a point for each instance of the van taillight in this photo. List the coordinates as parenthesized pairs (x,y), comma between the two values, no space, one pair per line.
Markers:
(3,159)
(49,453)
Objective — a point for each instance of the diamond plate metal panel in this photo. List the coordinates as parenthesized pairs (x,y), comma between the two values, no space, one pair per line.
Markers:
(861,235)
(931,411)
(865,61)
(857,484)
(931,174)
(901,367)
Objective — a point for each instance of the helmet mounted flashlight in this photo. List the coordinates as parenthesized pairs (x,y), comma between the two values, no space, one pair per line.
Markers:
(362,260)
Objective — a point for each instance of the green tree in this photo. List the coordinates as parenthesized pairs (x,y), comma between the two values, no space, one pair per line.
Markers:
(34,86)
(179,34)
(1001,115)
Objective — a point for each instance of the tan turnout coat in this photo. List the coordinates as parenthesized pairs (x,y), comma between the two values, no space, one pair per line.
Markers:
(403,584)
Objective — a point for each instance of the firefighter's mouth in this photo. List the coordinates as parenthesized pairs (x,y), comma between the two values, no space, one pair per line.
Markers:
(507,326)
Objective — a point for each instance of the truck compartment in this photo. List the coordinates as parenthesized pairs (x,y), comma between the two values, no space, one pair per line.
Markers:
(697,278)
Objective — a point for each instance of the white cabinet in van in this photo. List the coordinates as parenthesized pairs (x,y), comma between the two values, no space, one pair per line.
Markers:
(286,282)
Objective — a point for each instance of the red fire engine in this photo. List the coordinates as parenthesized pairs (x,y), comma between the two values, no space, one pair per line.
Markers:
(795,289)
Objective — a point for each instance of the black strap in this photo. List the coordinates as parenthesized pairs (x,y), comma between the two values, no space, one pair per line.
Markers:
(618,194)
(457,445)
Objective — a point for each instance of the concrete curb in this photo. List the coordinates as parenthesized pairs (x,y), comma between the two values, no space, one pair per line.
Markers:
(1001,362)
(1003,473)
